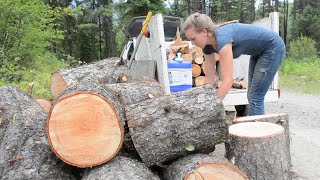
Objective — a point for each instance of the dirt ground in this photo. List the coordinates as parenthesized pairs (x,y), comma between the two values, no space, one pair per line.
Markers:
(304,124)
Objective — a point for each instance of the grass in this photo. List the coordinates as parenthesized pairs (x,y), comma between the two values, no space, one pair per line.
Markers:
(300,76)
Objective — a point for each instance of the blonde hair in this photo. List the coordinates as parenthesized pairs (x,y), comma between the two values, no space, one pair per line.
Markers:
(199,21)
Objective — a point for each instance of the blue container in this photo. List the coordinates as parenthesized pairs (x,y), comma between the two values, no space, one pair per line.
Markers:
(180,74)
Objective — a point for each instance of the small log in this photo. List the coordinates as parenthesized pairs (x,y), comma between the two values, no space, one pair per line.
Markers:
(172,126)
(121,168)
(84,128)
(101,72)
(216,170)
(198,59)
(44,103)
(187,57)
(196,70)
(260,150)
(280,119)
(24,150)
(239,84)
(180,167)
(199,81)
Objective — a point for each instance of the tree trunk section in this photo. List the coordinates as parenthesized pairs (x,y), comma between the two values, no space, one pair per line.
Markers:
(216,170)
(45,104)
(196,70)
(24,150)
(179,168)
(84,127)
(280,119)
(165,128)
(120,168)
(260,150)
(101,72)
(198,81)
(132,93)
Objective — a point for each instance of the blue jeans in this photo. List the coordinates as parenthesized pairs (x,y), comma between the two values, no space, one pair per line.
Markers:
(262,69)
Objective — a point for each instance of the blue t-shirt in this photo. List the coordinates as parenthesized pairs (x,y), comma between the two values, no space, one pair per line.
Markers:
(246,38)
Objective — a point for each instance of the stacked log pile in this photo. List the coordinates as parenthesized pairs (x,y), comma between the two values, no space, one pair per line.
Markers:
(127,130)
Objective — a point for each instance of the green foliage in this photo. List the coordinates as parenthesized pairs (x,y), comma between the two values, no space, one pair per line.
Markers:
(302,48)
(307,21)
(26,30)
(302,76)
(40,74)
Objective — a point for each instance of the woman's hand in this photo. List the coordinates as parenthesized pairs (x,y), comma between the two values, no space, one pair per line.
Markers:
(211,79)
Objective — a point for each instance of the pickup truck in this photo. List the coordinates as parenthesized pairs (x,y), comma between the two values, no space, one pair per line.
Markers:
(162,31)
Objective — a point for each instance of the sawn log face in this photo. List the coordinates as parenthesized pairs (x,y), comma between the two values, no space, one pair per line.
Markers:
(168,127)
(180,168)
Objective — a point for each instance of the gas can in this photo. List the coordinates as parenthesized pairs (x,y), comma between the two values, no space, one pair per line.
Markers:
(180,74)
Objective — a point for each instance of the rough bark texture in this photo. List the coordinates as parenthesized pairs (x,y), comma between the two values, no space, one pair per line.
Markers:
(24,150)
(132,93)
(179,168)
(280,119)
(101,72)
(169,127)
(262,158)
(120,168)
(135,92)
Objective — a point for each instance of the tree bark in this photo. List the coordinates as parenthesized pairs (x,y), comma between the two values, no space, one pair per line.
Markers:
(179,168)
(259,149)
(280,119)
(169,127)
(101,72)
(24,150)
(120,168)
(132,93)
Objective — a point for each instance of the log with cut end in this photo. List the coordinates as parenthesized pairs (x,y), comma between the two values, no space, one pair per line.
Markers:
(84,128)
(24,150)
(180,168)
(216,170)
(196,70)
(120,95)
(172,126)
(260,150)
(120,168)
(101,72)
(198,81)
(239,84)
(198,59)
(280,119)
(45,104)
(187,57)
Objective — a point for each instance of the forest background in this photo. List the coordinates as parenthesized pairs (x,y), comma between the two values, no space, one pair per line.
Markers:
(38,37)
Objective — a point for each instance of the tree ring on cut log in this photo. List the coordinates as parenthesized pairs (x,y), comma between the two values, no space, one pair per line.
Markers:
(216,170)
(84,129)
(255,129)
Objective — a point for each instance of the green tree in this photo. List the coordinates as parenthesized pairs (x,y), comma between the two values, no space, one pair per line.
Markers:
(307,22)
(26,31)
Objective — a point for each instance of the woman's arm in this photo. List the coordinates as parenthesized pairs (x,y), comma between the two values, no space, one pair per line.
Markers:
(226,64)
(210,69)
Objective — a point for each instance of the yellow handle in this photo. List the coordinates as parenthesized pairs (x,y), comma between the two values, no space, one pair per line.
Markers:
(145,25)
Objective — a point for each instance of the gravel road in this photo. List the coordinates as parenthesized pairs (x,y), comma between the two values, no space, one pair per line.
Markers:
(304,124)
